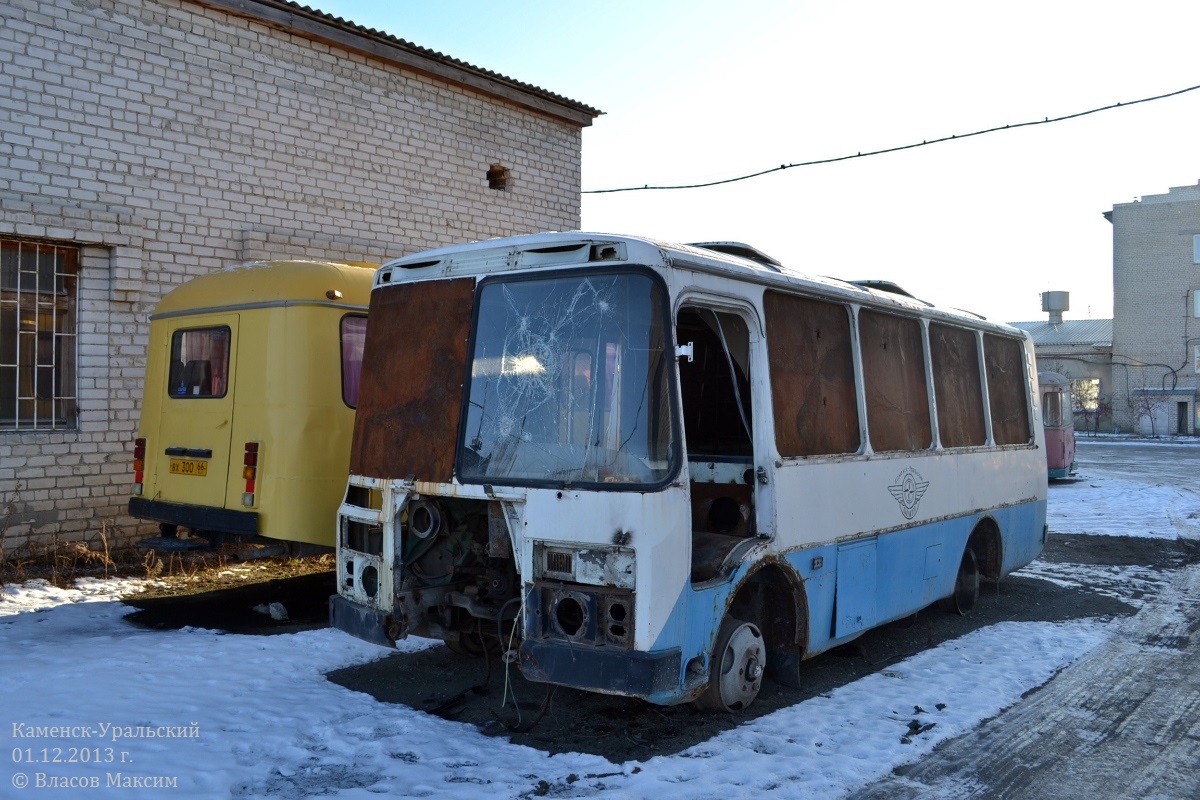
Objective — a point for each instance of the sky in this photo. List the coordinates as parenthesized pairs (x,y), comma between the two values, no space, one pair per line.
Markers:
(79,678)
(704,90)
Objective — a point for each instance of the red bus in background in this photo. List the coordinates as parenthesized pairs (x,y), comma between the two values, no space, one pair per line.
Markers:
(1058,419)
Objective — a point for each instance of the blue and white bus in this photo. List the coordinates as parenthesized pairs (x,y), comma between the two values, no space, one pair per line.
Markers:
(669,470)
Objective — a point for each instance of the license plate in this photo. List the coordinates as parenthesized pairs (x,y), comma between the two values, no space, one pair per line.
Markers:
(187,466)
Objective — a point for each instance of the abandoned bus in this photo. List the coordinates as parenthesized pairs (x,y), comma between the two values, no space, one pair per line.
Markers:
(1058,420)
(666,470)
(248,405)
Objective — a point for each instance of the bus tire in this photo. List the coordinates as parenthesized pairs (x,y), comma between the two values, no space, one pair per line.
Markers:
(966,586)
(736,668)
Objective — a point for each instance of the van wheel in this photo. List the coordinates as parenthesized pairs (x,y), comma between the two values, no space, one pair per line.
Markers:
(736,671)
(966,586)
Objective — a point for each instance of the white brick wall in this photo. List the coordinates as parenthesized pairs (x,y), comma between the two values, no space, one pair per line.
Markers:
(169,139)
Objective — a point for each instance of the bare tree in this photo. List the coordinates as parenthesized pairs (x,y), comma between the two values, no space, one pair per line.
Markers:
(1091,409)
(1144,404)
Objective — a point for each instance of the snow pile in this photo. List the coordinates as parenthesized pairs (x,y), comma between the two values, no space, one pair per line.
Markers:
(39,595)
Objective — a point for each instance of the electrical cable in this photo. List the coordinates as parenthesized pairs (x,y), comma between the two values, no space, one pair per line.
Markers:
(508,663)
(733,375)
(520,727)
(924,143)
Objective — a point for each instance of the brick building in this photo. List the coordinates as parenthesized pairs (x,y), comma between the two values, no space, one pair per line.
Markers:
(1156,312)
(144,142)
(1145,361)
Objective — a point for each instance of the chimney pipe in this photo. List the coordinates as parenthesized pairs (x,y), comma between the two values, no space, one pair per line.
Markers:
(1055,303)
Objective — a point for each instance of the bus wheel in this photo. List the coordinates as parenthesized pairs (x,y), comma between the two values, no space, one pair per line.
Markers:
(966,586)
(738,662)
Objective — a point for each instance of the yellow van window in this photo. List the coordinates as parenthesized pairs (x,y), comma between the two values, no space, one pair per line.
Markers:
(354,335)
(199,363)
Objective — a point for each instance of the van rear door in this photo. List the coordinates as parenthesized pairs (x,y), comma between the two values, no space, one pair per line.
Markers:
(196,424)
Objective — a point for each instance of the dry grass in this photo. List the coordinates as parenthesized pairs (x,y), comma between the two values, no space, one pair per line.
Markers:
(168,573)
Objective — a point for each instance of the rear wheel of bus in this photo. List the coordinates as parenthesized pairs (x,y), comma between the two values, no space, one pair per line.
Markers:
(966,586)
(738,662)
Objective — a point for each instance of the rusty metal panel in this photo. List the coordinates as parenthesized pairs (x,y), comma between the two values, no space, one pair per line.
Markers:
(410,399)
(812,376)
(957,386)
(1005,360)
(894,375)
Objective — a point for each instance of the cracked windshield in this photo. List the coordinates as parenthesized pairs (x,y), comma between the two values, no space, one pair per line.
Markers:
(569,383)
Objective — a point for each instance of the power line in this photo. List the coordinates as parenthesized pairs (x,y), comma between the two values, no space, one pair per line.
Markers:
(952,137)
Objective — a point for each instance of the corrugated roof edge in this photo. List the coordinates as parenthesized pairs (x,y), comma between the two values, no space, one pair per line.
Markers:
(1071,332)
(348,35)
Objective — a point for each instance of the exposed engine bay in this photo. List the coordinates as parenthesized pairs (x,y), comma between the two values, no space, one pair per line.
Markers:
(457,576)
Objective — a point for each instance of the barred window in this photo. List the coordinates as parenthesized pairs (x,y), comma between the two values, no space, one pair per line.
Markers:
(37,335)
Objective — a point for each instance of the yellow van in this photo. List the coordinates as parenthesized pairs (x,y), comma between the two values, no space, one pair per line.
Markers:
(252,377)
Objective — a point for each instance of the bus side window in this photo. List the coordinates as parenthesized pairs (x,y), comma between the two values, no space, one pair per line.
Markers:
(1052,409)
(1004,359)
(354,337)
(956,385)
(893,360)
(812,376)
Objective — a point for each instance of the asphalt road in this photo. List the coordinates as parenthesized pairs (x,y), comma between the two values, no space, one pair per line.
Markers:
(1154,462)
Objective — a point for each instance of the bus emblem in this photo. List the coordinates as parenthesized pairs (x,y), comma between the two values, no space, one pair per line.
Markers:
(908,491)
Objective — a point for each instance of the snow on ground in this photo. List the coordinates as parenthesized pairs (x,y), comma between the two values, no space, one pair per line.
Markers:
(36,595)
(252,716)
(1106,506)
(222,715)
(1133,585)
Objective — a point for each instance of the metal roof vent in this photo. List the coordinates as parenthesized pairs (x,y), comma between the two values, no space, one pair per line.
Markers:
(1055,303)
(888,287)
(741,251)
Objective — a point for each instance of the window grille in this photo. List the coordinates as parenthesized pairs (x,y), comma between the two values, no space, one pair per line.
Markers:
(38,302)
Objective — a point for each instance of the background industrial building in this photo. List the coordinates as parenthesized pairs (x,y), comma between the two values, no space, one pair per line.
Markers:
(1138,371)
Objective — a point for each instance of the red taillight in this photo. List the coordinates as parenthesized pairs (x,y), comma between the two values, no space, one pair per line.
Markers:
(139,464)
(249,473)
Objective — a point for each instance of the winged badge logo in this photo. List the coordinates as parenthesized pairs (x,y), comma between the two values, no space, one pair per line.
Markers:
(908,490)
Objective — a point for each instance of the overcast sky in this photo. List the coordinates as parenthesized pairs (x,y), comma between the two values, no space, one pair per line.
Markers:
(704,90)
